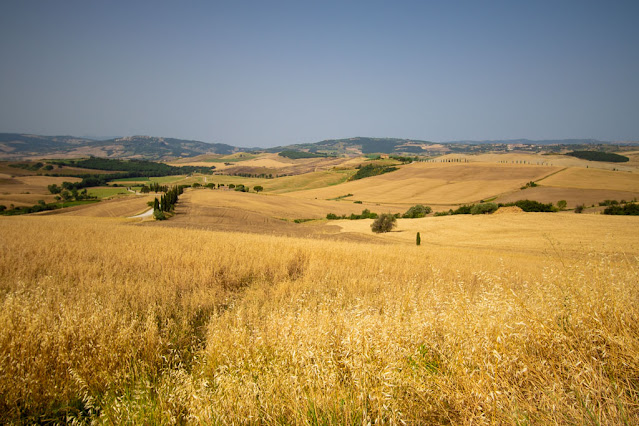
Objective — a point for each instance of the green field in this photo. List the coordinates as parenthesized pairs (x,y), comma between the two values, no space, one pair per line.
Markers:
(131,179)
(168,179)
(75,203)
(104,192)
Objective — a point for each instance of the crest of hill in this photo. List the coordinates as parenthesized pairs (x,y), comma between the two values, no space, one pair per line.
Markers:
(362,145)
(369,145)
(16,146)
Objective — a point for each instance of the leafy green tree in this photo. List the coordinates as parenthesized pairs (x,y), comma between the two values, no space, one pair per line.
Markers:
(54,189)
(384,223)
(484,208)
(417,211)
(258,188)
(561,204)
(159,215)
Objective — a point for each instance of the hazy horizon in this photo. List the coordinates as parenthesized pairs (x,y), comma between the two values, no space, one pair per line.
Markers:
(253,74)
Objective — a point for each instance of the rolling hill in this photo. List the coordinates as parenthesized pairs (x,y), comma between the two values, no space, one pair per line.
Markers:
(15,146)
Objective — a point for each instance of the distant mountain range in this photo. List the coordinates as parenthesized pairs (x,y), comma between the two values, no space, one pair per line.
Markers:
(19,146)
(16,146)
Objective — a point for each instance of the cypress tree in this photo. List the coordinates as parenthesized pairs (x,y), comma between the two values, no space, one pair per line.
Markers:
(418,240)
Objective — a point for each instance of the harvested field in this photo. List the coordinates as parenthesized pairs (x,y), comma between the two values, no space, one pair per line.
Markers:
(27,190)
(273,206)
(594,179)
(573,196)
(436,183)
(540,159)
(524,232)
(118,207)
(270,163)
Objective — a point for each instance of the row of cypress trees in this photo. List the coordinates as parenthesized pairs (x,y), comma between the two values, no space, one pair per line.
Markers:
(167,202)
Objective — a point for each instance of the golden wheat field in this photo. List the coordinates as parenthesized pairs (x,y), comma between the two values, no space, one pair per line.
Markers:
(106,321)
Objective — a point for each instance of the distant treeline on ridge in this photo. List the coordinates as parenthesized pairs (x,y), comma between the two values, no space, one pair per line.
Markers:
(610,157)
(135,168)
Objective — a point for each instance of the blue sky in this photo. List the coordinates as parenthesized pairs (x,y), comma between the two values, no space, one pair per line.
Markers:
(273,73)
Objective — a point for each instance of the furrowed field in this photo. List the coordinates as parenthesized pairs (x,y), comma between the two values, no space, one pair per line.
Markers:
(105,320)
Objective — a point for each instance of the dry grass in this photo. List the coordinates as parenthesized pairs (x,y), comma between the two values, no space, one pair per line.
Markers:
(102,320)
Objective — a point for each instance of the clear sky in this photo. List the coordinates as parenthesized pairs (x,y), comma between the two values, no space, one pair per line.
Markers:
(266,73)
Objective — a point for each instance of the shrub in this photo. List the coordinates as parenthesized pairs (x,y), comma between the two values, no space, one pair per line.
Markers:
(417,211)
(580,208)
(531,206)
(258,188)
(561,204)
(384,223)
(630,209)
(159,215)
(462,210)
(54,189)
(484,208)
(332,216)
(372,170)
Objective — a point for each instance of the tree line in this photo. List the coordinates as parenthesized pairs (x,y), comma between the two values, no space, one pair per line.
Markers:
(167,202)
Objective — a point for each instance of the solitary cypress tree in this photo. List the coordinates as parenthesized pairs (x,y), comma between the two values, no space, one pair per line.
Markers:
(418,240)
